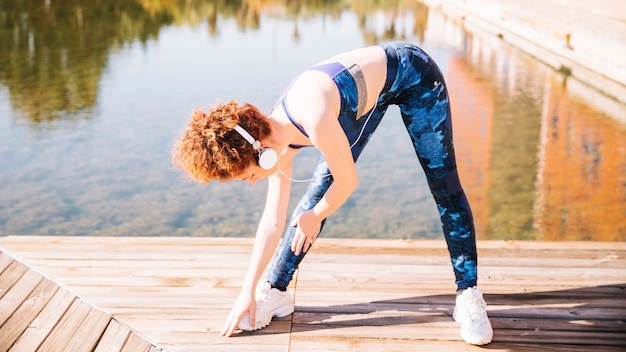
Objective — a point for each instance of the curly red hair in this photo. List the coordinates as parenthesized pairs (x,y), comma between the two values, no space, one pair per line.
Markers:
(210,148)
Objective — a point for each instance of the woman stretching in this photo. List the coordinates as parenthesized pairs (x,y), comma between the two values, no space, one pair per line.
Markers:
(334,106)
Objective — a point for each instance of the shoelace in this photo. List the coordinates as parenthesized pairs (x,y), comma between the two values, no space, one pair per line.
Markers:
(264,292)
(475,307)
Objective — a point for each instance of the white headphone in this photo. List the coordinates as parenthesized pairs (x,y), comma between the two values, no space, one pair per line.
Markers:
(267,157)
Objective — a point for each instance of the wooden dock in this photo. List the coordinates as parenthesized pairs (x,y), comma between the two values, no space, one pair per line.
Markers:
(173,294)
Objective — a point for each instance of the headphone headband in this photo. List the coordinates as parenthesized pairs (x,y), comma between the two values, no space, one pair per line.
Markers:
(255,143)
(266,157)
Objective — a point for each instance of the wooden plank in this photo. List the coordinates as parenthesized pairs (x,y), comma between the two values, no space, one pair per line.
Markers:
(153,263)
(276,334)
(563,337)
(125,241)
(233,347)
(17,294)
(5,260)
(184,270)
(414,272)
(358,329)
(432,317)
(135,343)
(557,311)
(156,277)
(113,338)
(605,296)
(39,328)
(10,276)
(64,329)
(402,327)
(530,347)
(517,261)
(315,344)
(326,245)
(374,344)
(86,335)
(26,313)
(546,323)
(102,247)
(123,248)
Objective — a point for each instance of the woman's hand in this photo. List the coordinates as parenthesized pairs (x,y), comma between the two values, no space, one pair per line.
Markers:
(245,303)
(307,229)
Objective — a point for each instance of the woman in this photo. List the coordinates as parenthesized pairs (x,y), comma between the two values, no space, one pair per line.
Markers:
(335,107)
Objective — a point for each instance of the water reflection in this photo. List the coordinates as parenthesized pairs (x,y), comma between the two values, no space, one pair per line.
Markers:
(56,51)
(582,171)
(498,131)
(538,163)
(88,90)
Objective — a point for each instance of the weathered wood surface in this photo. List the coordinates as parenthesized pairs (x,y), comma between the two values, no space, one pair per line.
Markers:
(350,294)
(36,314)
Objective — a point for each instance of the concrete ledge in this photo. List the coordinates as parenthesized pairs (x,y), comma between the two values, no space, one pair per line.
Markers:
(583,44)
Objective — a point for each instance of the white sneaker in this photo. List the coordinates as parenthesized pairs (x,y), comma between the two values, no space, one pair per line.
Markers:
(471,312)
(270,302)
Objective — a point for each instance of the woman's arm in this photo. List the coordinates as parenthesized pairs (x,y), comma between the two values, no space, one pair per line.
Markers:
(333,144)
(268,235)
(270,228)
(315,100)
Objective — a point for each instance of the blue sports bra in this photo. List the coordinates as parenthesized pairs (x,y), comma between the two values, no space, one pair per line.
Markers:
(332,69)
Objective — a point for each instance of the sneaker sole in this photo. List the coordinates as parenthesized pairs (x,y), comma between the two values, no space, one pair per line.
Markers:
(285,311)
(477,342)
(256,327)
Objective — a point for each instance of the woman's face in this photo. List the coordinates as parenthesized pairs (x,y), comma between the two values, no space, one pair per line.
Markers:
(254,173)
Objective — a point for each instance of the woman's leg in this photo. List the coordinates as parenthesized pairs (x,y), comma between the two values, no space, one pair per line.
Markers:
(423,99)
(426,115)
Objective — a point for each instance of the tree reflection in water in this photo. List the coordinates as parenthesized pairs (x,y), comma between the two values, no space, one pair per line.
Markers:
(54,52)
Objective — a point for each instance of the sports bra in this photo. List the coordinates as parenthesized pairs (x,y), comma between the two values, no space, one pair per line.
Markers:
(332,69)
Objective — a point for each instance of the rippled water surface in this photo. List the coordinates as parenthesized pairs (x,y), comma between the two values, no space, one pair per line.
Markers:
(94,94)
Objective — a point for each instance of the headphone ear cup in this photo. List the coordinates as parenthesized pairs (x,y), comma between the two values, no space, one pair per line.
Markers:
(267,158)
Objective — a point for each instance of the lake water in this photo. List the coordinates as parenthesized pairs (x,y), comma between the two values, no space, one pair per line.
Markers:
(94,94)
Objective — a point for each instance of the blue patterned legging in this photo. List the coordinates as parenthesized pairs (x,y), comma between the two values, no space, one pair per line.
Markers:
(414,83)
